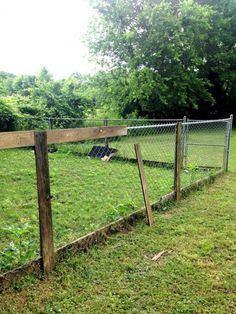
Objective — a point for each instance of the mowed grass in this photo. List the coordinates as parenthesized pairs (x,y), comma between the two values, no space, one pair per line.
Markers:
(87,193)
(197,273)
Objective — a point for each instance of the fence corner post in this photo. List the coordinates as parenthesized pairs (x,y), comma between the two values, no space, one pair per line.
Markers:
(44,202)
(228,135)
(178,161)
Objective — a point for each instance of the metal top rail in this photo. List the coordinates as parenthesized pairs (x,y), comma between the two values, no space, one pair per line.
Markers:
(174,124)
(151,126)
(205,121)
(145,120)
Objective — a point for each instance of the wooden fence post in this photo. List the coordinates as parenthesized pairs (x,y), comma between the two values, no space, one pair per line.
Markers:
(144,184)
(44,202)
(178,161)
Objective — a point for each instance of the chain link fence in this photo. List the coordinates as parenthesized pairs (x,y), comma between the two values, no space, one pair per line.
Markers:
(205,147)
(96,182)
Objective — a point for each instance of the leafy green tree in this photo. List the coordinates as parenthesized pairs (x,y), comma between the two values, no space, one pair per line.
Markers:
(23,84)
(220,52)
(44,75)
(6,80)
(174,55)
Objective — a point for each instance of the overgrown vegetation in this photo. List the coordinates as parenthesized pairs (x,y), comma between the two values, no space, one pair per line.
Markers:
(41,96)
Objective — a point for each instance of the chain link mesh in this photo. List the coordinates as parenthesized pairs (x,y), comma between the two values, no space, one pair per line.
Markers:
(204,145)
(19,228)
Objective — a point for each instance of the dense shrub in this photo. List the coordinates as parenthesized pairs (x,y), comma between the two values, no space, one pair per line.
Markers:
(8,119)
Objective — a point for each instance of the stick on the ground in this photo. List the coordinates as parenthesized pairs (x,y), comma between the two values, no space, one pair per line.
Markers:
(143,183)
(157,256)
(44,202)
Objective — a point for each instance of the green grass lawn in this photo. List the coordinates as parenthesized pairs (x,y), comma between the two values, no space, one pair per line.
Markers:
(87,193)
(196,275)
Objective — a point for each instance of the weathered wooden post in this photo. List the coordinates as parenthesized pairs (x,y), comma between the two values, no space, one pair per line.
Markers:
(178,161)
(143,184)
(44,202)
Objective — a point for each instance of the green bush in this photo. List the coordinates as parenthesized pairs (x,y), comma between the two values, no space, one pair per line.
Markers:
(8,119)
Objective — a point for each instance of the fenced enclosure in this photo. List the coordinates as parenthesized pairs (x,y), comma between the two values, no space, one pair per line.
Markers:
(96,181)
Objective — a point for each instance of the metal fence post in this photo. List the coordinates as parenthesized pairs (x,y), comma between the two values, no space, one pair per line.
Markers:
(50,123)
(227,147)
(186,139)
(184,127)
(178,161)
(105,122)
(51,148)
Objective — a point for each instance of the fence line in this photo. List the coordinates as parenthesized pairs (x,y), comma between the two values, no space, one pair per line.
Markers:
(172,156)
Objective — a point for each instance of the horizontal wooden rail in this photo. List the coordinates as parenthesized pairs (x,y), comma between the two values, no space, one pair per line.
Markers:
(16,139)
(26,138)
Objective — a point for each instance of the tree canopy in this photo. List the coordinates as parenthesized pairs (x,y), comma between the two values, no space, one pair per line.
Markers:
(171,57)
